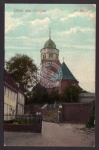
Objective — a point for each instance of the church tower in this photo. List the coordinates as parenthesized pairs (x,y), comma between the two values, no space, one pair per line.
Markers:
(51,75)
(49,52)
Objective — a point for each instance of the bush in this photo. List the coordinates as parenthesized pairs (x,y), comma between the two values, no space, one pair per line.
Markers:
(71,94)
(8,121)
(21,121)
(53,97)
(25,121)
(91,119)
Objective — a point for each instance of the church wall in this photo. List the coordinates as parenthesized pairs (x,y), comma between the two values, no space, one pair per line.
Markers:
(66,83)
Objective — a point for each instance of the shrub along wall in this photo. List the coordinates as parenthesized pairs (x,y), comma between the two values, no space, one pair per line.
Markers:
(76,112)
(24,125)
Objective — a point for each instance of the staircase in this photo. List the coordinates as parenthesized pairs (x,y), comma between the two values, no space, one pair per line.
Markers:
(50,114)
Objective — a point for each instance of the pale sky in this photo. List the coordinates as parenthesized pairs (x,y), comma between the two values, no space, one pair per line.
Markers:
(72,29)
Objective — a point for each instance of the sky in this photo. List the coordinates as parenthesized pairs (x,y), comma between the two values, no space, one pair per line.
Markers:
(73,29)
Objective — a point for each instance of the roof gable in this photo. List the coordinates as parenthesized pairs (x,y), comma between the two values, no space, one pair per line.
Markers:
(8,79)
(67,73)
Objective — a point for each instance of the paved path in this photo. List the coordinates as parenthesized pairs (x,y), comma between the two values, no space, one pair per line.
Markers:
(53,135)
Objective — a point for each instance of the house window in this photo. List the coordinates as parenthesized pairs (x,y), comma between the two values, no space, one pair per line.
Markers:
(10,110)
(9,93)
(50,55)
(7,109)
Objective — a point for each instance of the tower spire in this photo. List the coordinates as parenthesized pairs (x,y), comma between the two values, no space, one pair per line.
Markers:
(49,33)
(63,59)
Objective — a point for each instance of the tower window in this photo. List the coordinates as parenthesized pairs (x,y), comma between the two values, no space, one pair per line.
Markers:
(56,56)
(50,55)
(44,56)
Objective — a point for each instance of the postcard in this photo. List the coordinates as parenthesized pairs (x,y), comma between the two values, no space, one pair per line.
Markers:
(49,75)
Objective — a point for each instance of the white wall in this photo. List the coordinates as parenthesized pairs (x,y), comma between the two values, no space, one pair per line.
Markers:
(21,98)
(10,100)
(21,103)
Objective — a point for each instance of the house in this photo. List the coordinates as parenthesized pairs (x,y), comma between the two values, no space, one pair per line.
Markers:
(21,103)
(87,97)
(14,99)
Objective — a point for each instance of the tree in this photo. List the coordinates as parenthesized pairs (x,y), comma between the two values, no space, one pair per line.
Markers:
(90,122)
(54,96)
(39,94)
(23,71)
(71,94)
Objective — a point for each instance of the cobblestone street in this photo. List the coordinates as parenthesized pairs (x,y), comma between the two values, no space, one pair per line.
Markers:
(53,135)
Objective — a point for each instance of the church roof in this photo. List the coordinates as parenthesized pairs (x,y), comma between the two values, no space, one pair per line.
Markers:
(49,44)
(67,73)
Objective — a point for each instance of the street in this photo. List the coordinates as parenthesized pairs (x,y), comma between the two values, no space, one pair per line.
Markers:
(61,135)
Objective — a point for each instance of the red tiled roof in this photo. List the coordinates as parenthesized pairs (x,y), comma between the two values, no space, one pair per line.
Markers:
(9,80)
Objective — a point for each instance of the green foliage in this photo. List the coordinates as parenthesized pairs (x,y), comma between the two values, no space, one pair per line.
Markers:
(39,94)
(22,121)
(71,94)
(54,96)
(23,71)
(28,98)
(26,121)
(8,121)
(91,119)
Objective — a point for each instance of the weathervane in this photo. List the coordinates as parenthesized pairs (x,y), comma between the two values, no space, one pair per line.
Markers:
(49,33)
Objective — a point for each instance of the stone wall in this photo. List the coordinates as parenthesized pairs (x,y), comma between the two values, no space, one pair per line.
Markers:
(22,128)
